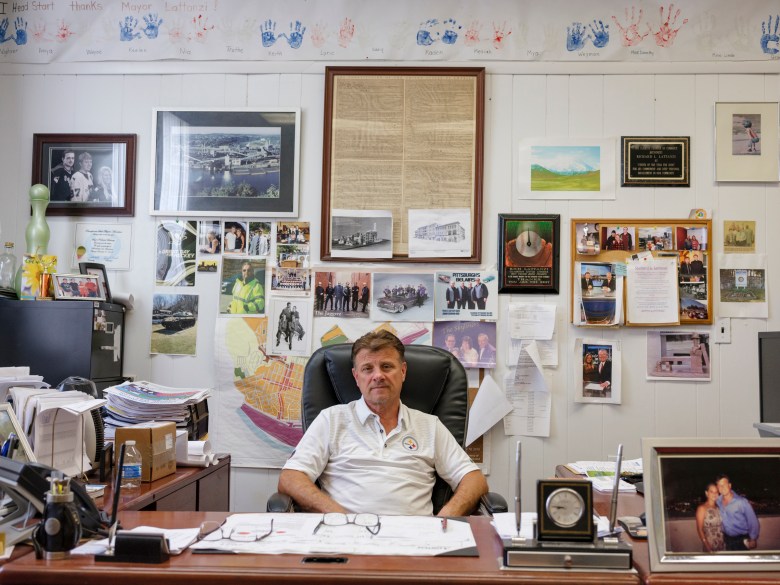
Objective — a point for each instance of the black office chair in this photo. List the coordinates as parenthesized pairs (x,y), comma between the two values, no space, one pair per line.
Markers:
(435,383)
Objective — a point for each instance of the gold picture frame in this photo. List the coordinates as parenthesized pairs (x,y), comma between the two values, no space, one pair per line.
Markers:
(403,138)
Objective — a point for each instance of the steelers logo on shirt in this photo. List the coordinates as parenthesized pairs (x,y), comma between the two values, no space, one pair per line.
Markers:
(409,443)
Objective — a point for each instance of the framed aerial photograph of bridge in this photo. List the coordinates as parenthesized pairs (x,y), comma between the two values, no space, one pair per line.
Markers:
(235,162)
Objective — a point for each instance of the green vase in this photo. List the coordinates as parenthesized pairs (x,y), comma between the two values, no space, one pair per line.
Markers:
(37,233)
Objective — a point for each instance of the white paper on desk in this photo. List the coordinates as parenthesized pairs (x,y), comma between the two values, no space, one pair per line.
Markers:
(489,407)
(506,526)
(178,540)
(294,534)
(531,320)
(14,371)
(653,294)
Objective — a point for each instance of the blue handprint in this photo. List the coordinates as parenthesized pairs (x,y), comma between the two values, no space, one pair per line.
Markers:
(424,37)
(450,33)
(20,25)
(770,36)
(268,32)
(600,34)
(295,38)
(3,31)
(575,39)
(152,28)
(127,29)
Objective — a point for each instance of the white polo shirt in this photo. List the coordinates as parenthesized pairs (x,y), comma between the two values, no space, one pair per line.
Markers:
(366,471)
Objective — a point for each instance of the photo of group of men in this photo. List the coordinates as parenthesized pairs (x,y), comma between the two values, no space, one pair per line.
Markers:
(342,294)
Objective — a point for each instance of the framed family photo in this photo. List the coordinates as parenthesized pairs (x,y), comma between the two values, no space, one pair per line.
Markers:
(98,270)
(746,142)
(87,174)
(230,162)
(712,504)
(400,139)
(529,253)
(77,287)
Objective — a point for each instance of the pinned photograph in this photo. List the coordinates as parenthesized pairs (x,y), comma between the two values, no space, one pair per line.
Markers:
(290,327)
(742,280)
(466,296)
(654,239)
(473,343)
(342,293)
(291,280)
(598,368)
(678,355)
(361,233)
(292,255)
(588,239)
(618,237)
(209,237)
(292,232)
(243,287)
(599,294)
(234,237)
(693,266)
(691,238)
(174,324)
(739,236)
(439,233)
(332,330)
(400,296)
(176,243)
(259,238)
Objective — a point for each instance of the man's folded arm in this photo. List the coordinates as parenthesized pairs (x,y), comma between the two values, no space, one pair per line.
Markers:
(306,494)
(467,495)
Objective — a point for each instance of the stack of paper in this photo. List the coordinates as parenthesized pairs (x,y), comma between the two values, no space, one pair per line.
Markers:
(136,402)
(605,483)
(11,376)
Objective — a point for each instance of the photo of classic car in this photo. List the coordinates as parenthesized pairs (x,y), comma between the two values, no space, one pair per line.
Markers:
(398,303)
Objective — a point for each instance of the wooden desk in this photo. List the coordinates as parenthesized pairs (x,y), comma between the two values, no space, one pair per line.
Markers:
(190,489)
(290,569)
(634,505)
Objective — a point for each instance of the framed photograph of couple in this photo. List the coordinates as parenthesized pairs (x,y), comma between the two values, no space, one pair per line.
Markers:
(529,253)
(712,504)
(230,162)
(86,174)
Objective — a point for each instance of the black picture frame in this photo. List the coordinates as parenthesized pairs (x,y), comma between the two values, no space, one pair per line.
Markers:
(534,267)
(106,187)
(584,530)
(99,270)
(227,162)
(655,161)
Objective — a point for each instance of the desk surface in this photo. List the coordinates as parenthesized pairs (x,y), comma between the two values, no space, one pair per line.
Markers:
(633,505)
(215,568)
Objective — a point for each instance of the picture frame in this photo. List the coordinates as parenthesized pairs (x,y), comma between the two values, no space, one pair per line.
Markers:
(533,265)
(237,162)
(77,287)
(10,424)
(655,161)
(86,174)
(414,142)
(677,474)
(747,148)
(98,270)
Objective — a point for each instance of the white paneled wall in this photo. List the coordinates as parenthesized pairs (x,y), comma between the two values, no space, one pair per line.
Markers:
(517,107)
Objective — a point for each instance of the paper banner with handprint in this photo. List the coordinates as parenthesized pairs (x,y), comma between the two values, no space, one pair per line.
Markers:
(354,30)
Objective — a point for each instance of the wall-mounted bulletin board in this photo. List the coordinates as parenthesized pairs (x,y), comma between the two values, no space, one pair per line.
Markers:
(668,262)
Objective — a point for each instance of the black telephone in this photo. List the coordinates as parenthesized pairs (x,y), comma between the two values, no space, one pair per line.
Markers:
(29,479)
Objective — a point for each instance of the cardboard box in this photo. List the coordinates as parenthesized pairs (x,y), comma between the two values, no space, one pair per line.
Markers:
(157,443)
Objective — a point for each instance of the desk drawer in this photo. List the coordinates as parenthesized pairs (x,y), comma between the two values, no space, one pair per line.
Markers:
(182,500)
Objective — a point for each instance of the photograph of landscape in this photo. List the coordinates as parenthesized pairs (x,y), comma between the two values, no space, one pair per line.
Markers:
(565,168)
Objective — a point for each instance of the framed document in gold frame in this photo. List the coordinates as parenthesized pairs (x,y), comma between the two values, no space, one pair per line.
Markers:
(401,139)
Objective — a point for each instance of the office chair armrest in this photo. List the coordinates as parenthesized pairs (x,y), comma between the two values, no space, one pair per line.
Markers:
(280,503)
(492,503)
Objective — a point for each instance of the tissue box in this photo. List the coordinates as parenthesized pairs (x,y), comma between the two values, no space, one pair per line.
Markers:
(157,443)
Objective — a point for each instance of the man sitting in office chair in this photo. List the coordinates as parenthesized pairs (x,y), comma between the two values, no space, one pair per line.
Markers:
(375,454)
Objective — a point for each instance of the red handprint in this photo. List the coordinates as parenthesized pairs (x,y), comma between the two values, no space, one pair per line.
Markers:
(666,33)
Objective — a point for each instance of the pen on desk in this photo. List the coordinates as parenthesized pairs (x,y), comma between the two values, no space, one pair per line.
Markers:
(444,525)
(518,508)
(615,490)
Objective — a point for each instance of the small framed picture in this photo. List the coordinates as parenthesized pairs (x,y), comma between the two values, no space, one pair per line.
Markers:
(529,252)
(87,174)
(712,504)
(98,270)
(746,142)
(77,287)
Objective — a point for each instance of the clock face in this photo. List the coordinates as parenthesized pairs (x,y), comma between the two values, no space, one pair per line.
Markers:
(565,507)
